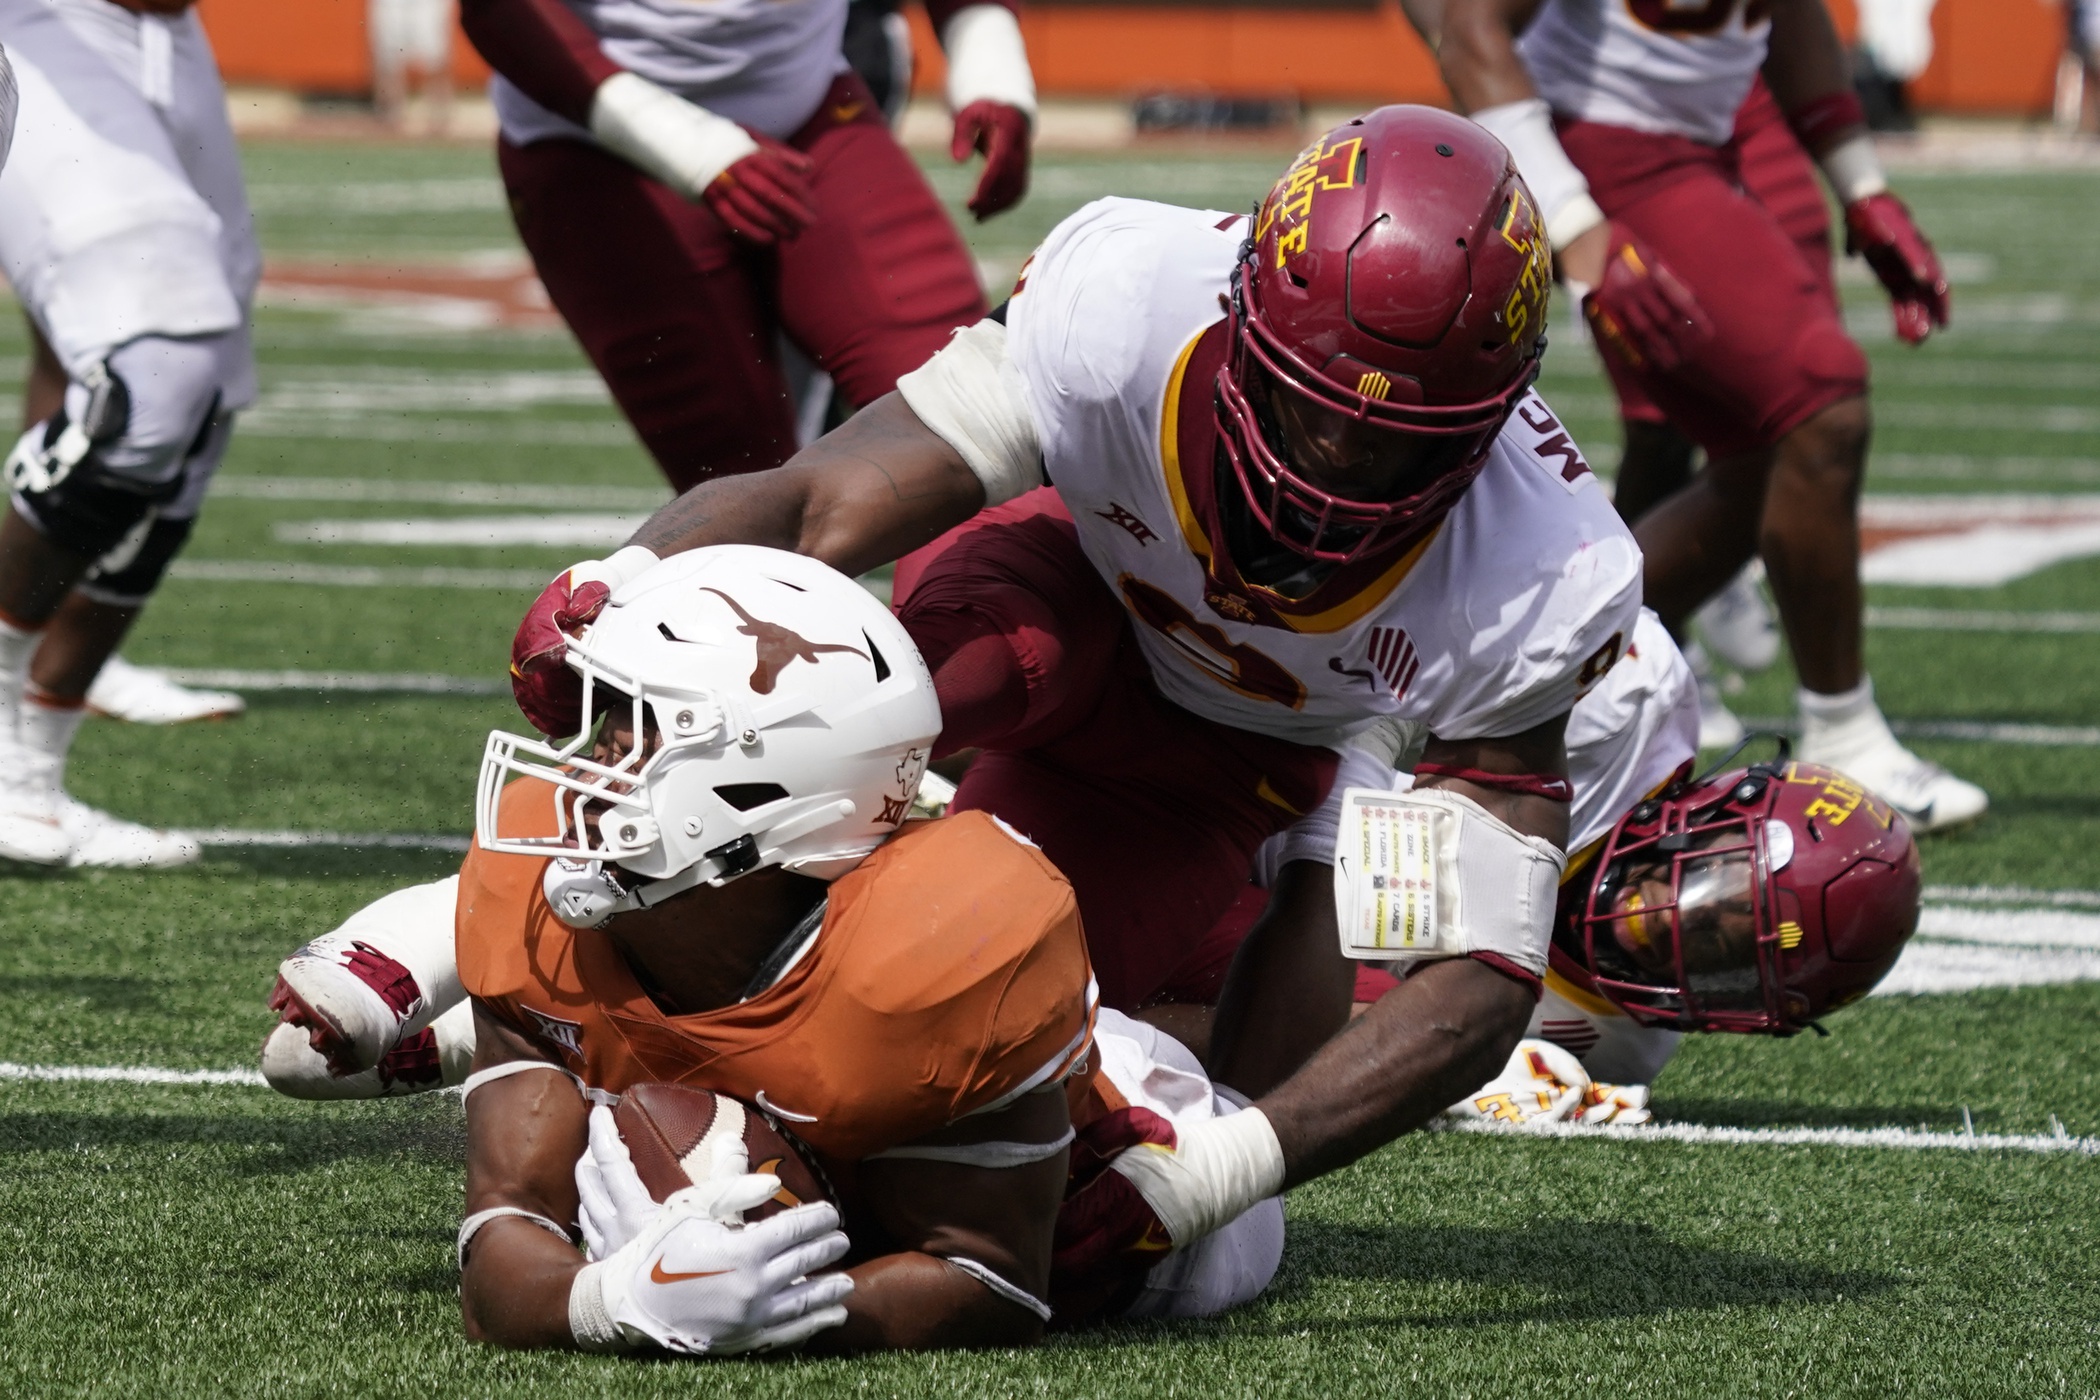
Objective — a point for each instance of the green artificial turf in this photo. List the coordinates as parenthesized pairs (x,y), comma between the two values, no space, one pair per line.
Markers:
(182,1240)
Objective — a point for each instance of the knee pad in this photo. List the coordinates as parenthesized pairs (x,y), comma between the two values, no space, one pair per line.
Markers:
(127,575)
(92,474)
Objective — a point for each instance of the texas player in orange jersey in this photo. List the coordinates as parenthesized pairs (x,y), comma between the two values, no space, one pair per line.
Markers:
(716,891)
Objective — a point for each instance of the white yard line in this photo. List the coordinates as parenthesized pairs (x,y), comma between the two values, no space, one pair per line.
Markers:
(2013,894)
(372,682)
(1899,1139)
(2048,736)
(336,490)
(568,530)
(129,1074)
(339,840)
(527,581)
(1981,620)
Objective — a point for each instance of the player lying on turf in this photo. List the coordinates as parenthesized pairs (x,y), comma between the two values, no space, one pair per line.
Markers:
(716,893)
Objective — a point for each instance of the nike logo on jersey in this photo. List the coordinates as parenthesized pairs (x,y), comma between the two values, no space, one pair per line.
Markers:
(778,1112)
(657,1273)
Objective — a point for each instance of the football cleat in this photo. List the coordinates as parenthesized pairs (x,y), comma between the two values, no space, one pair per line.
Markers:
(32,831)
(106,842)
(1738,625)
(141,695)
(1718,726)
(1929,797)
(348,998)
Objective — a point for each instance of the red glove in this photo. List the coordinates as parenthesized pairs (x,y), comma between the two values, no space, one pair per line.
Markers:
(1001,133)
(547,691)
(1880,229)
(1642,310)
(1107,1238)
(765,197)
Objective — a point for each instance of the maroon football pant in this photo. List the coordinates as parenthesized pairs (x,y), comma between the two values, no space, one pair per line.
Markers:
(1153,813)
(1779,353)
(1773,170)
(683,320)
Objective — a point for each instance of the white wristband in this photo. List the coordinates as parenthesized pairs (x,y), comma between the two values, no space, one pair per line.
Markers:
(987,62)
(660,133)
(589,1321)
(1218,1170)
(1854,169)
(1526,128)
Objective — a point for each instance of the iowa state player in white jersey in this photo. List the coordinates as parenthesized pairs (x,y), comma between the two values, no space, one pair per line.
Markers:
(1619,112)
(1300,484)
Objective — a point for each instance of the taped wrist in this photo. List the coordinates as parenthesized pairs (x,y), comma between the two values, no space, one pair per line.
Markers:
(1433,874)
(970,395)
(1217,1171)
(590,1321)
(1563,193)
(660,133)
(1853,168)
(987,62)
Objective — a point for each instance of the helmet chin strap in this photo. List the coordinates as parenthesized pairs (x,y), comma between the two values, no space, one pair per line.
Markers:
(587,893)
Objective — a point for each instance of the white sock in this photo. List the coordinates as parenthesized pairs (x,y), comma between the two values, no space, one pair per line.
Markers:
(16,647)
(1846,723)
(47,732)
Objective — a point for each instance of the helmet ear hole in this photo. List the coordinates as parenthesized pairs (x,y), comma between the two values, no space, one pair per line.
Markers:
(882,666)
(746,796)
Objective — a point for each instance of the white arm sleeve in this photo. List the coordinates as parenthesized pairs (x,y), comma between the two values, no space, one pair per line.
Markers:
(987,62)
(1563,194)
(661,134)
(971,396)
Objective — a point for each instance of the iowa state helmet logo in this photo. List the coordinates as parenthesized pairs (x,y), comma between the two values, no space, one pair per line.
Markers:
(1333,166)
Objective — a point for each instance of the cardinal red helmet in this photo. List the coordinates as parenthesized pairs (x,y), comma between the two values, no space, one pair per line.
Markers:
(1757,901)
(1388,313)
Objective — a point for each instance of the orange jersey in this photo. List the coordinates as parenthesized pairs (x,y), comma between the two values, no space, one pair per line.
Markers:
(949,974)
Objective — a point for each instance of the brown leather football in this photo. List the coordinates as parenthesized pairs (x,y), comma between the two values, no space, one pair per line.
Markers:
(670,1131)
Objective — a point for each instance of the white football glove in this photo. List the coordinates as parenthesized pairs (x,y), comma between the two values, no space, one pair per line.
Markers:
(690,1283)
(616,1206)
(1542,1083)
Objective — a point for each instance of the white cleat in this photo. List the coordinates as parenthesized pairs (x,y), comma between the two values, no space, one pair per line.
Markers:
(144,696)
(348,1000)
(1718,726)
(1738,624)
(1929,797)
(32,831)
(432,1058)
(111,843)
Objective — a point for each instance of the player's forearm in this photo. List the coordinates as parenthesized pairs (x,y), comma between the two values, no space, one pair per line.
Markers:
(867,494)
(1521,779)
(1426,1044)
(544,48)
(1478,52)
(515,1291)
(1289,989)
(1805,60)
(916,1302)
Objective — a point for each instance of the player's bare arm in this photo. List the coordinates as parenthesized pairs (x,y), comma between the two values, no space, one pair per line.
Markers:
(1476,49)
(524,1134)
(869,492)
(999,1219)
(1805,60)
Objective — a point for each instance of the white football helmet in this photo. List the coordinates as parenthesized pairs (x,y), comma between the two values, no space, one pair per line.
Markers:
(792,717)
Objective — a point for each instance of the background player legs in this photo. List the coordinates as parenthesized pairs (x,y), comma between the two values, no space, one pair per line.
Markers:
(666,305)
(878,283)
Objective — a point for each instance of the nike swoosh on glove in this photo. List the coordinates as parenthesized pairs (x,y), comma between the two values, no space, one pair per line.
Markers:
(1107,1237)
(1880,229)
(549,694)
(691,1282)
(1642,309)
(1542,1083)
(1001,132)
(765,197)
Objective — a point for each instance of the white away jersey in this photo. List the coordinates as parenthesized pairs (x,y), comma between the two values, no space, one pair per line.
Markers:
(1677,66)
(1521,600)
(763,64)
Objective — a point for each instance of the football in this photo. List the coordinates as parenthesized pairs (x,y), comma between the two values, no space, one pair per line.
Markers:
(670,1131)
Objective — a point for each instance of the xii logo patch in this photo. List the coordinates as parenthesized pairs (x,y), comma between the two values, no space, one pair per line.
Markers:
(566,1036)
(1122,515)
